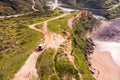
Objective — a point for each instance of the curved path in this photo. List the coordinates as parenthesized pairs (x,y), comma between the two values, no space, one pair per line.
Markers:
(33,6)
(28,70)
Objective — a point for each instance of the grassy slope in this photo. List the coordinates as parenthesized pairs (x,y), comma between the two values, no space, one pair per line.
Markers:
(79,48)
(45,65)
(98,4)
(63,67)
(15,37)
(60,26)
(52,66)
(55,66)
(14,7)
(110,14)
(13,60)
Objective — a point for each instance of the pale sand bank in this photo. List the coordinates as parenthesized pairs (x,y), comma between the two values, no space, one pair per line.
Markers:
(103,62)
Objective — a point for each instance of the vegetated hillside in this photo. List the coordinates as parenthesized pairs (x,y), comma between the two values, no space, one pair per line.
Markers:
(8,7)
(95,4)
(79,44)
(99,7)
(17,41)
(100,4)
(56,65)
(14,6)
(19,6)
(110,14)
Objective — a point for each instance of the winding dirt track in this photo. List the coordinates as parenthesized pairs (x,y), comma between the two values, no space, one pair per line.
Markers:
(28,70)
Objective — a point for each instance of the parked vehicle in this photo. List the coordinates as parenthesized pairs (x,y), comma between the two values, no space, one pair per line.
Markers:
(40,47)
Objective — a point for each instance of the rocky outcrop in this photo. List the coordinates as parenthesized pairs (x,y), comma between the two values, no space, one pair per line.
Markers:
(90,46)
(111,32)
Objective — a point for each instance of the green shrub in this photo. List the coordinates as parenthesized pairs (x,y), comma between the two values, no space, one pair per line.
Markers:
(79,48)
(45,65)
(64,68)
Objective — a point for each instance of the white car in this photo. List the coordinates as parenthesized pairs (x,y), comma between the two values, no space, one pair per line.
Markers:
(40,47)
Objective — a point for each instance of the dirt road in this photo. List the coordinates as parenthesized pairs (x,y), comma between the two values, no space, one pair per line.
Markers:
(28,70)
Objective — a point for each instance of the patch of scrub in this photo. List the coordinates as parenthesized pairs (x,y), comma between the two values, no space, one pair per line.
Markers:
(64,68)
(79,45)
(45,65)
(60,26)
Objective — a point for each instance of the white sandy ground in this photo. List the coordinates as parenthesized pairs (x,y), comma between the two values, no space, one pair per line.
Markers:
(103,62)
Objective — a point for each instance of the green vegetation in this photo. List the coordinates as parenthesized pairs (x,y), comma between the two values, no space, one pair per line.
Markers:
(79,47)
(8,7)
(95,4)
(64,68)
(69,2)
(60,26)
(15,50)
(99,7)
(56,66)
(105,5)
(53,66)
(15,6)
(110,14)
(45,65)
(56,13)
(15,37)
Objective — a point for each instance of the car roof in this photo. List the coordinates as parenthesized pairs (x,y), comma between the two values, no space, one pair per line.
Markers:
(41,44)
